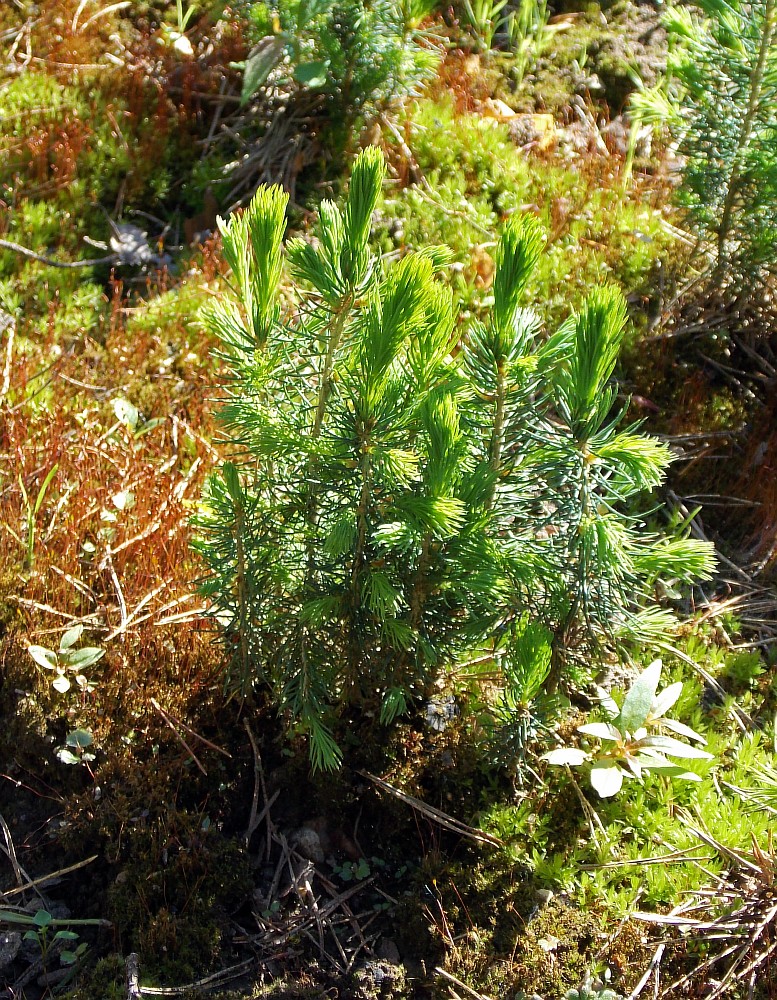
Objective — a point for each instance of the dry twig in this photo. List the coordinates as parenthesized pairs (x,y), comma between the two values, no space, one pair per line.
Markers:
(50,877)
(436,815)
(462,986)
(171,724)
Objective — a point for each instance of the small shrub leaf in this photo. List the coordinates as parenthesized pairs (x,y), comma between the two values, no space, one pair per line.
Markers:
(665,700)
(43,657)
(79,659)
(675,748)
(606,779)
(636,704)
(608,703)
(80,738)
(312,74)
(126,413)
(66,936)
(601,730)
(71,637)
(261,61)
(682,730)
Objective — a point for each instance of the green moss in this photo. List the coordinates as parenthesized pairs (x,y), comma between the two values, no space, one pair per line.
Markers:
(556,949)
(477,177)
(175,886)
(105,980)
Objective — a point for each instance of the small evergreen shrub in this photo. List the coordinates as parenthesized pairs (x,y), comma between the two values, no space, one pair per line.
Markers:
(359,56)
(400,492)
(719,101)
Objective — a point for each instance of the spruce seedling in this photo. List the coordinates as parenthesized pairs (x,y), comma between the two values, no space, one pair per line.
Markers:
(718,100)
(392,503)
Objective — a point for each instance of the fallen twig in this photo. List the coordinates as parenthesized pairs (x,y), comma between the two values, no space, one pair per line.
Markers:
(259,783)
(10,851)
(437,815)
(135,991)
(462,986)
(113,258)
(180,738)
(654,966)
(196,735)
(48,878)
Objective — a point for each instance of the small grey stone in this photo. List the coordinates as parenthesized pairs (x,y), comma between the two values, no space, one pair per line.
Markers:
(308,843)
(388,951)
(10,942)
(131,243)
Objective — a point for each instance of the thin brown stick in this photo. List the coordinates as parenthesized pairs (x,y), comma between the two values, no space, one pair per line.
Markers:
(10,852)
(16,248)
(462,986)
(259,784)
(437,815)
(180,738)
(26,602)
(653,967)
(47,878)
(192,732)
(216,978)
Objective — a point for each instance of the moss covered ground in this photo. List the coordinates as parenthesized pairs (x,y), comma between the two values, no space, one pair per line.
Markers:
(188,831)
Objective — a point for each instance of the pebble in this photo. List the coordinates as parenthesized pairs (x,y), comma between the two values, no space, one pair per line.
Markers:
(10,942)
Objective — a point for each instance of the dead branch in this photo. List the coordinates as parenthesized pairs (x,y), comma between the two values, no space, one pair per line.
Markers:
(436,815)
(133,977)
(50,877)
(259,783)
(462,986)
(112,258)
(180,738)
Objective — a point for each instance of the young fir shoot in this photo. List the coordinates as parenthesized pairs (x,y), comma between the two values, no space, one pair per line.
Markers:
(391,502)
(632,741)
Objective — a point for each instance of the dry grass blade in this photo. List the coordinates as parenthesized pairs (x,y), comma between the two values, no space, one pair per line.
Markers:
(462,986)
(45,879)
(135,991)
(436,815)
(10,851)
(180,738)
(652,969)
(735,918)
(259,784)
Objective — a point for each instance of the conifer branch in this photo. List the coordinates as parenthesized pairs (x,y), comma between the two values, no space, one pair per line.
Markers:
(497,436)
(745,135)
